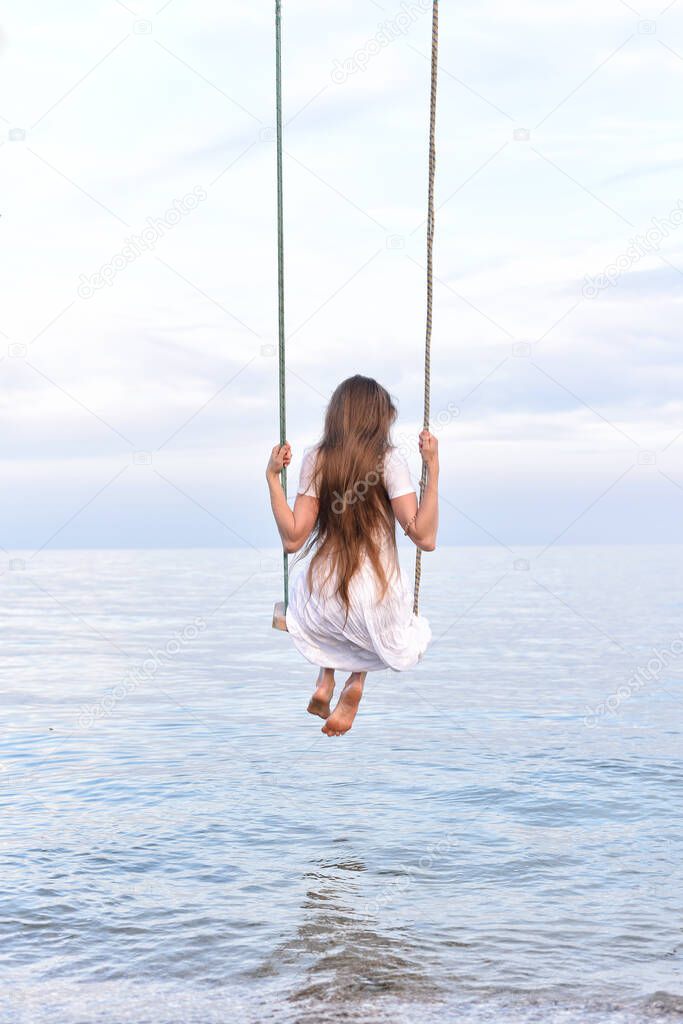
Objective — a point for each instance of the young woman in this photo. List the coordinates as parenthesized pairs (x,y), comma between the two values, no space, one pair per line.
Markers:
(350,608)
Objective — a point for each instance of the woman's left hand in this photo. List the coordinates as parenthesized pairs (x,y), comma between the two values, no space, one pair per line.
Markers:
(280,458)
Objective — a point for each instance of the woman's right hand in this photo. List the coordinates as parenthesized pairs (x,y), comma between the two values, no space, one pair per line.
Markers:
(429,448)
(280,458)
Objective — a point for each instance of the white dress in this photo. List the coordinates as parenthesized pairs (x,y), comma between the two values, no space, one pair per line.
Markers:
(377,634)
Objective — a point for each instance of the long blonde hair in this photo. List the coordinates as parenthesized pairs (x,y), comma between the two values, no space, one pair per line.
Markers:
(355,517)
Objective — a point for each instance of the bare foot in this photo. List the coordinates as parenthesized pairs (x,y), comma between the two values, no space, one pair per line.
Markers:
(320,701)
(342,718)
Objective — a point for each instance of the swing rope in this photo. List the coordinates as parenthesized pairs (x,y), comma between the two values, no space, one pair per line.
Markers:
(430,273)
(281,265)
(430,265)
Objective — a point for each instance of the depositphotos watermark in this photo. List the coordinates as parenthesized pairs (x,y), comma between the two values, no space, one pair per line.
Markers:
(639,247)
(358,491)
(137,245)
(137,677)
(399,886)
(642,677)
(390,30)
(405,445)
(408,444)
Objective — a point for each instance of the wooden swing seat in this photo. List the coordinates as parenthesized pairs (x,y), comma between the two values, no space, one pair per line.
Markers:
(280,617)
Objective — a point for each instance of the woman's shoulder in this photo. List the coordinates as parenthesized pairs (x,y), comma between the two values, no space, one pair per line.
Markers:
(310,455)
(395,456)
(397,478)
(307,484)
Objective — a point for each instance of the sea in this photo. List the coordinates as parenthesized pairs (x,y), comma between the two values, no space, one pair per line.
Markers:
(498,839)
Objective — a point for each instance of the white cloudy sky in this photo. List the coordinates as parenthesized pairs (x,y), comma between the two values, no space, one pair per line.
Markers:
(110,112)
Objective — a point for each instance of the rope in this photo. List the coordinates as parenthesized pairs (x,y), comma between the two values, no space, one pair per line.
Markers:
(430,272)
(430,264)
(281,263)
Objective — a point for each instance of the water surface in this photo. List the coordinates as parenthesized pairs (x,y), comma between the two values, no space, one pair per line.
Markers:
(498,840)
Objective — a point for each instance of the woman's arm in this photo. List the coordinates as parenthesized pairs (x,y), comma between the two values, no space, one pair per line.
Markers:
(295,525)
(422,524)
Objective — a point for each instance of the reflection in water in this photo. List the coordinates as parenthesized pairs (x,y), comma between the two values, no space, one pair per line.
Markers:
(339,955)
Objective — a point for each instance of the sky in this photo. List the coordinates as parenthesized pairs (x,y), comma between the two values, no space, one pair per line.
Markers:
(138,383)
